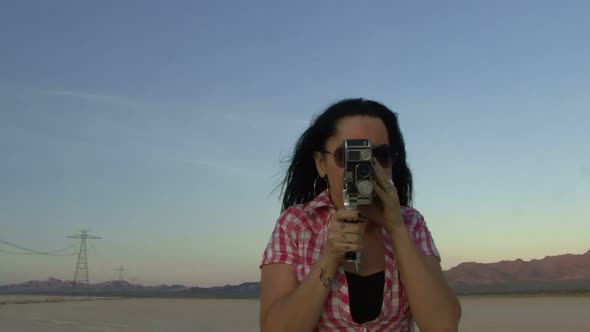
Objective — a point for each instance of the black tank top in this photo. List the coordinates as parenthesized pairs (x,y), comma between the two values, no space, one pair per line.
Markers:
(366,295)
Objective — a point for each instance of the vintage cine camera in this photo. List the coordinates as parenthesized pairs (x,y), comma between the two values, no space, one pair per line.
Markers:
(358,188)
(358,172)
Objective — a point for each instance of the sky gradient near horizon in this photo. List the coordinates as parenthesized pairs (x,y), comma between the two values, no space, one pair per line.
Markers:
(161,126)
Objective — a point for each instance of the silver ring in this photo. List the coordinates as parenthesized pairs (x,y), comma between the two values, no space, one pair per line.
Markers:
(390,186)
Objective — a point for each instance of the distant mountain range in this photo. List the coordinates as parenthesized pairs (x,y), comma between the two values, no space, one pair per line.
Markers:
(563,273)
(54,286)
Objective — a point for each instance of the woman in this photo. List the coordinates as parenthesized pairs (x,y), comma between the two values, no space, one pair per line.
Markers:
(306,282)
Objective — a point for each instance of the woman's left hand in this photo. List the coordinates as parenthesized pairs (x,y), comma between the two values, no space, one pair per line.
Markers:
(387,210)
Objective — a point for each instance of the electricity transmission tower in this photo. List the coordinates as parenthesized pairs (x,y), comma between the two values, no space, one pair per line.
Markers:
(81,272)
(120,269)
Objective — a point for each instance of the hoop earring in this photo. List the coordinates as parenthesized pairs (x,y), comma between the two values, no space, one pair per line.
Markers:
(315,183)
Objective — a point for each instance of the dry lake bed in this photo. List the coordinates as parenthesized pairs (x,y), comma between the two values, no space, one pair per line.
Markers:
(63,314)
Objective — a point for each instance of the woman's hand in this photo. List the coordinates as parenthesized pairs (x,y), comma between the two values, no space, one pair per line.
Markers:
(345,234)
(386,210)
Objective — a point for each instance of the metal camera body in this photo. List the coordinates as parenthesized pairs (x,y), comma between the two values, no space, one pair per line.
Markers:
(358,173)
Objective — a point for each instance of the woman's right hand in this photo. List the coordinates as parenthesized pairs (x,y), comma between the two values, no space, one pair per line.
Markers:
(345,234)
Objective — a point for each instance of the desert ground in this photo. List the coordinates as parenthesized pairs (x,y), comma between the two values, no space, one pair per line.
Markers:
(63,314)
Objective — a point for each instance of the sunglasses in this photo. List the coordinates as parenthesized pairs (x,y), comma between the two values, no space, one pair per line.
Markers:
(385,157)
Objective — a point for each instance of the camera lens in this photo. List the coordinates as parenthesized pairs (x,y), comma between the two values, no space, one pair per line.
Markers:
(365,187)
(364,170)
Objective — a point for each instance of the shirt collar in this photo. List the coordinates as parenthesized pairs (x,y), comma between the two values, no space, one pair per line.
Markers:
(321,201)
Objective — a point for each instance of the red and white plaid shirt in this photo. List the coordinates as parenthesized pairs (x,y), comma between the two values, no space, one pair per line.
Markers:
(298,239)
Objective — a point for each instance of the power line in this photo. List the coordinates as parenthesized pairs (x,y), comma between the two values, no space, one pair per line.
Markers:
(22,248)
(29,251)
(63,249)
(15,253)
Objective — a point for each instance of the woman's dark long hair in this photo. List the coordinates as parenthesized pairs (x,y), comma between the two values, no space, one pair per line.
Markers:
(297,185)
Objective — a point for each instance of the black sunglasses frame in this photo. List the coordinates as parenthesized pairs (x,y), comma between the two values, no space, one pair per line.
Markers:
(338,155)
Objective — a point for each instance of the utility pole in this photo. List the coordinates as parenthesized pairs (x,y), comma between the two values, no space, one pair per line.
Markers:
(81,272)
(120,269)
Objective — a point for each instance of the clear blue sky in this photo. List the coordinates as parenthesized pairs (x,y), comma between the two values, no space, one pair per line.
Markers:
(160,125)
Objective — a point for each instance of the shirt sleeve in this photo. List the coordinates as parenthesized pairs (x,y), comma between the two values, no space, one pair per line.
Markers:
(422,236)
(282,246)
